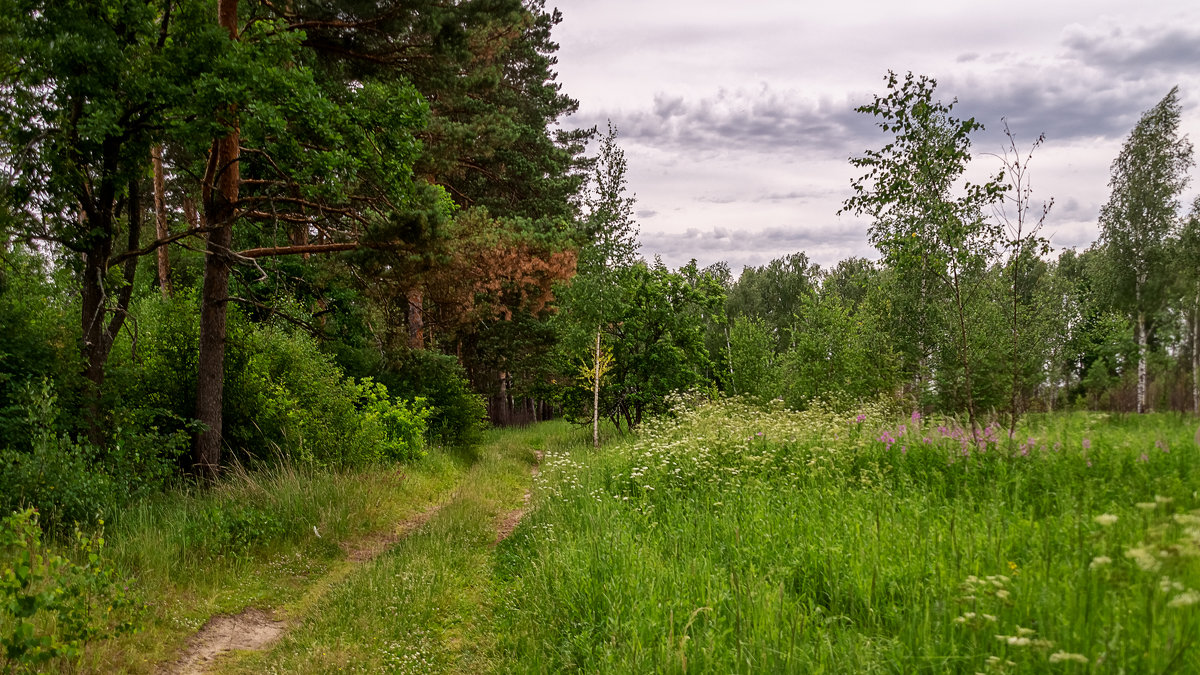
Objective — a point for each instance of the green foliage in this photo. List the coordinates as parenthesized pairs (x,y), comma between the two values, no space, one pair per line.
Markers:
(751,359)
(395,427)
(38,344)
(456,414)
(657,337)
(51,606)
(71,481)
(838,355)
(774,293)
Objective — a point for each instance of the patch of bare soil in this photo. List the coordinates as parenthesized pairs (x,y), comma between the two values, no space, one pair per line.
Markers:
(251,630)
(366,550)
(513,518)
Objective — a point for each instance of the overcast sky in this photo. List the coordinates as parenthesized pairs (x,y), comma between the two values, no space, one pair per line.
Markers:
(737,118)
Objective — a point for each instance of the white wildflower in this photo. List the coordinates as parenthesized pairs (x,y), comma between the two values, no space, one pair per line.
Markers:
(1105,519)
(1099,561)
(1144,559)
(1185,599)
(1061,656)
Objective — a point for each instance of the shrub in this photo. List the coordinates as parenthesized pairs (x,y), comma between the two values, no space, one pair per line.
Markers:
(456,413)
(395,428)
(51,606)
(72,481)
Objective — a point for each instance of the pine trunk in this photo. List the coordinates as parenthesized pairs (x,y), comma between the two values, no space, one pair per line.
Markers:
(416,319)
(221,183)
(160,221)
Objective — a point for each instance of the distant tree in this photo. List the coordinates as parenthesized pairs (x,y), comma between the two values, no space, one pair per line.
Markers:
(1187,252)
(931,232)
(657,340)
(1024,246)
(774,293)
(1148,177)
(609,247)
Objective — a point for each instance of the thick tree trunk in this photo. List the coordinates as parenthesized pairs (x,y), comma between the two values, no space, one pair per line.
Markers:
(160,221)
(416,319)
(221,183)
(596,396)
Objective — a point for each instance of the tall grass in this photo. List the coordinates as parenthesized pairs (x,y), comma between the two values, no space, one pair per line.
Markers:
(733,539)
(261,539)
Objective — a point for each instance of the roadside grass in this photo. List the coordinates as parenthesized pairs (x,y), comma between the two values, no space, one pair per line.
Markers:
(424,605)
(733,539)
(262,539)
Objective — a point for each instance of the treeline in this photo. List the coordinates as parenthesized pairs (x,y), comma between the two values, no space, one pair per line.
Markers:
(965,312)
(331,233)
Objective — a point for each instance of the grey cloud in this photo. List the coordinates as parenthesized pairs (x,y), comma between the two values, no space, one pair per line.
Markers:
(825,245)
(1137,50)
(758,120)
(1096,87)
(647,213)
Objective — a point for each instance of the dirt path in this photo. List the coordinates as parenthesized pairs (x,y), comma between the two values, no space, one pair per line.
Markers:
(513,518)
(488,485)
(253,629)
(256,630)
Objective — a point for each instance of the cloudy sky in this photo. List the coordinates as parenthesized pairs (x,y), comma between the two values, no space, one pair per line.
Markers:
(737,118)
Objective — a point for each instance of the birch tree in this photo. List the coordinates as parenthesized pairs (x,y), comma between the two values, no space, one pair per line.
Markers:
(1148,177)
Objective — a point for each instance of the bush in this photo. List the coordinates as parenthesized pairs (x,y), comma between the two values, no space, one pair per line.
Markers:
(395,428)
(457,413)
(72,481)
(38,338)
(51,606)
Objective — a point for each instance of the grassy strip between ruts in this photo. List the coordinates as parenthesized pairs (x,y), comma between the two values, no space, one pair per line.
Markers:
(270,539)
(424,605)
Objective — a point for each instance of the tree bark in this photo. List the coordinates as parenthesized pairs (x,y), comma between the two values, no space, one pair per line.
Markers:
(416,319)
(596,396)
(221,183)
(1141,367)
(1196,356)
(160,221)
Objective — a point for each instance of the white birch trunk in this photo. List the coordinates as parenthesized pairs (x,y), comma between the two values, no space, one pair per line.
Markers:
(596,396)
(1141,371)
(1196,357)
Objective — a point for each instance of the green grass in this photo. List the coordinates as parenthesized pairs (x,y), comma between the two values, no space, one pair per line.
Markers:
(424,605)
(725,539)
(704,546)
(250,541)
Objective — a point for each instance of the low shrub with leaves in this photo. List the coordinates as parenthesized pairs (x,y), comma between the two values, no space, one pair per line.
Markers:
(51,605)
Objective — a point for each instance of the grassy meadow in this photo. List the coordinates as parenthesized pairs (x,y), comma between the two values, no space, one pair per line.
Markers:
(725,538)
(732,539)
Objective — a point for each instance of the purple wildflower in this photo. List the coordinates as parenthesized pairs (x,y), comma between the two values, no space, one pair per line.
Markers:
(1087,444)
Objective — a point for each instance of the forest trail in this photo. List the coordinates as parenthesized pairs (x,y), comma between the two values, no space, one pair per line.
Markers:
(343,614)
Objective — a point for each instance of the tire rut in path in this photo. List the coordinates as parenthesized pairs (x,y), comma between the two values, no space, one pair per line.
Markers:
(513,518)
(251,630)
